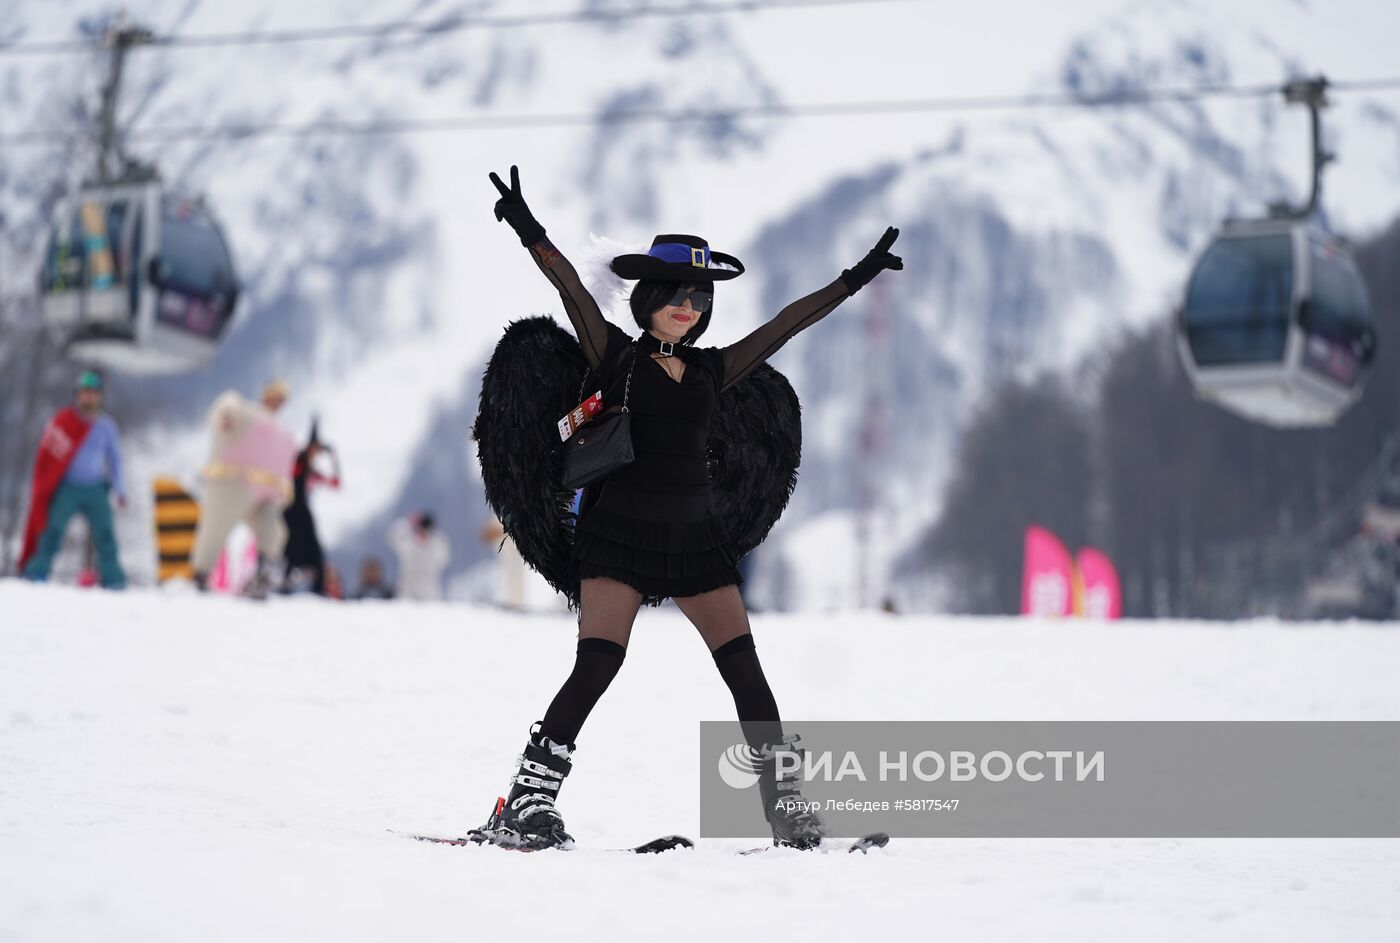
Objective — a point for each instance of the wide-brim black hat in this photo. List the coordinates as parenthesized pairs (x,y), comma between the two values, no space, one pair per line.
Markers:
(679,258)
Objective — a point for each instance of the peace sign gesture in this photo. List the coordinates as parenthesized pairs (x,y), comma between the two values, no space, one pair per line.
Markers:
(876,261)
(511,208)
(881,252)
(509,194)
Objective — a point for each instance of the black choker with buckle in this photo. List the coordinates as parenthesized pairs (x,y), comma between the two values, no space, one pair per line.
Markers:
(651,344)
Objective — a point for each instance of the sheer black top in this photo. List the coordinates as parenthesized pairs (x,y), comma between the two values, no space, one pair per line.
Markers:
(670,418)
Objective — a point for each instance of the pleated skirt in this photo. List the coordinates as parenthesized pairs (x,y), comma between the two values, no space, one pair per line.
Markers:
(662,545)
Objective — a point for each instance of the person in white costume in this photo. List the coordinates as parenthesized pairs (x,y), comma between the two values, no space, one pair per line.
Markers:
(423,554)
(248,478)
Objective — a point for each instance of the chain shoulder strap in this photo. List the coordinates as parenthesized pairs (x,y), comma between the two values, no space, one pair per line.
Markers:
(626,391)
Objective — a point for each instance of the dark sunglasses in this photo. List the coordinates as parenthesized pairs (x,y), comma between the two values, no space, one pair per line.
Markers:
(700,298)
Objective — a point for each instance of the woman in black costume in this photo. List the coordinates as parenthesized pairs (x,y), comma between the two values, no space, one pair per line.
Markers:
(647,533)
(305,560)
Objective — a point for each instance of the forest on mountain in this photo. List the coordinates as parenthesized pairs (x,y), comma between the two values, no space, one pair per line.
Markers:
(1205,514)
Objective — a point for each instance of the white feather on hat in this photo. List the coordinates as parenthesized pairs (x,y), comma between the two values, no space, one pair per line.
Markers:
(594,267)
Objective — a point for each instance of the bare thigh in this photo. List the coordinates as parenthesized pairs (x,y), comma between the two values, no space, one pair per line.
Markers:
(607,609)
(719,615)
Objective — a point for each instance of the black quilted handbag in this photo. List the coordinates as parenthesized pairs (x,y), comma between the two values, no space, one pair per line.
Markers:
(602,446)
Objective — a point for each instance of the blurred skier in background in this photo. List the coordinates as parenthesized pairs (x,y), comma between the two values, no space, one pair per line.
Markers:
(249,479)
(335,586)
(372,582)
(423,554)
(305,558)
(510,566)
(77,471)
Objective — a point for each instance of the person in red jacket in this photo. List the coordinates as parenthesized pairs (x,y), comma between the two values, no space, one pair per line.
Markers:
(77,471)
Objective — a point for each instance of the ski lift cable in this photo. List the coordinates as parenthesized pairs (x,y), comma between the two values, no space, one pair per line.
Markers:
(448,24)
(238,131)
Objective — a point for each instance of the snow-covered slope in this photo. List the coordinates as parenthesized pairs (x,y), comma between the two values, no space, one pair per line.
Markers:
(184,768)
(377,278)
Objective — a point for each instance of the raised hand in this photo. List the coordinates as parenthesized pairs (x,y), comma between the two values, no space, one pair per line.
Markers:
(876,261)
(511,208)
(509,194)
(881,252)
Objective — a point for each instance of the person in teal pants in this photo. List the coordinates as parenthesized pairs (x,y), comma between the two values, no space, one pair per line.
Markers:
(94,473)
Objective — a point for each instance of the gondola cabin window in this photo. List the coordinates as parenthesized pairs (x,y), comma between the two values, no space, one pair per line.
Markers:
(1239,302)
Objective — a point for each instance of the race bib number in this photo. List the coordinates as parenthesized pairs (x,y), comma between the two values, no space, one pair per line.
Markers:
(579,415)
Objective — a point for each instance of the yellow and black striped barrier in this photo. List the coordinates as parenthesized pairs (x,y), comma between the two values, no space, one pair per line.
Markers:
(176,516)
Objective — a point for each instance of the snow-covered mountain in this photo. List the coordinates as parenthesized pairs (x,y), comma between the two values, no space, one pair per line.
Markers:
(377,279)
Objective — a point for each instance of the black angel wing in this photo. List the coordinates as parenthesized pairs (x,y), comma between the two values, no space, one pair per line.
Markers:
(533,379)
(755,447)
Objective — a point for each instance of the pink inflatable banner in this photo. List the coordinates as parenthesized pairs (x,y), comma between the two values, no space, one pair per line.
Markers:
(1047,581)
(1097,594)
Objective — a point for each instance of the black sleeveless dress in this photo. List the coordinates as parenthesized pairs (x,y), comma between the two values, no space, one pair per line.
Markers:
(651,524)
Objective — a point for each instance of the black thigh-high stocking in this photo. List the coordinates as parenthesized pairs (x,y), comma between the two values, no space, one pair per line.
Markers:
(596,664)
(738,665)
(723,623)
(607,610)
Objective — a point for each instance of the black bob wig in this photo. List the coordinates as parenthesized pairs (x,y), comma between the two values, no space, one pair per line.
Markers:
(650,295)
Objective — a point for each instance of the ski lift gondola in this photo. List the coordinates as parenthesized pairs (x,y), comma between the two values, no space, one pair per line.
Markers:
(1277,324)
(135,277)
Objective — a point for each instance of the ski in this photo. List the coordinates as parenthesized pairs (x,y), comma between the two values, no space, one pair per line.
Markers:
(664,843)
(653,847)
(862,845)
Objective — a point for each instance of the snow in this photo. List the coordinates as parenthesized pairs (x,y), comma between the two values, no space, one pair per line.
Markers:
(174,767)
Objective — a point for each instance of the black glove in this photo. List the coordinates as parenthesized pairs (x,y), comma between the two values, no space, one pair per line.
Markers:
(511,208)
(876,261)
